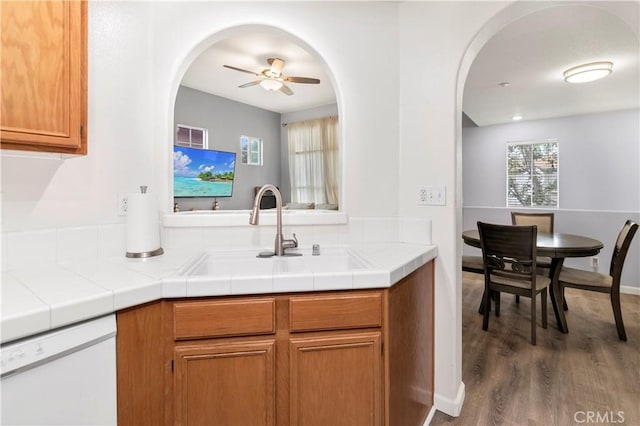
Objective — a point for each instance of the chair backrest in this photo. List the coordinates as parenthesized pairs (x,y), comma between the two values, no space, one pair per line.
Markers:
(509,251)
(544,221)
(620,250)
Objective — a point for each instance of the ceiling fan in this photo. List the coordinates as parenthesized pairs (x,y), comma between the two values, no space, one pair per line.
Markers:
(272,78)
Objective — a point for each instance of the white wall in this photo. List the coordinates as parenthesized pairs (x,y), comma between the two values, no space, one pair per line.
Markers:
(398,70)
(47,193)
(438,43)
(350,47)
(598,174)
(434,37)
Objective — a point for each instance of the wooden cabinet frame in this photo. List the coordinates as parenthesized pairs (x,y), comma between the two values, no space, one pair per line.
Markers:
(44,76)
(392,351)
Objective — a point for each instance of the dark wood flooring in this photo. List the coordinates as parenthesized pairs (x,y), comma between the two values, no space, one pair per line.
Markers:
(587,376)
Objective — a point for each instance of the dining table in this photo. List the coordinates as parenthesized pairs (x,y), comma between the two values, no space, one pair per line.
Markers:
(557,246)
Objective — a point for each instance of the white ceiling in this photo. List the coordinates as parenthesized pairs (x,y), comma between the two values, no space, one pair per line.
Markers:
(533,52)
(530,54)
(250,51)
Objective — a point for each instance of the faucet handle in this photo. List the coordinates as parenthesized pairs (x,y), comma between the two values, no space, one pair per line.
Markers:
(293,243)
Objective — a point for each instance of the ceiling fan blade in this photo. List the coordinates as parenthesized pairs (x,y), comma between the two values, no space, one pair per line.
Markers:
(251,83)
(286,90)
(302,80)
(241,70)
(276,66)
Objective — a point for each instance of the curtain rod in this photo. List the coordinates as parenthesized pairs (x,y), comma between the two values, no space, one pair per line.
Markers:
(328,116)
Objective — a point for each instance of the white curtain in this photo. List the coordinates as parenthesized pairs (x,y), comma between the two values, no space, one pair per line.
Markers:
(313,160)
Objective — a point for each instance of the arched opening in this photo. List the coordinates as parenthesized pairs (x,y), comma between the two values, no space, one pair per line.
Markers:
(514,14)
(258,43)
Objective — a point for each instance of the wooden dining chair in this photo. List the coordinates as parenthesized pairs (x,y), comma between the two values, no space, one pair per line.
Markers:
(509,254)
(604,283)
(544,222)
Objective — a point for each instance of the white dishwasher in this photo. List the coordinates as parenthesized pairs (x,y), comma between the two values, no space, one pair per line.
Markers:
(63,377)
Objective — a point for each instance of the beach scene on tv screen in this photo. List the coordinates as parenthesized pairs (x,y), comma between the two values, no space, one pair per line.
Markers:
(202,172)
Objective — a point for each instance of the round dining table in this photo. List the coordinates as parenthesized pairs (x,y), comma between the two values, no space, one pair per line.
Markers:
(557,246)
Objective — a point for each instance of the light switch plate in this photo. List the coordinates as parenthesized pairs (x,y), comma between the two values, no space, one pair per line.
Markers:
(438,196)
(432,195)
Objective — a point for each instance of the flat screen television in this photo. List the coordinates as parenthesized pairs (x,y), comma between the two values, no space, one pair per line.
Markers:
(202,172)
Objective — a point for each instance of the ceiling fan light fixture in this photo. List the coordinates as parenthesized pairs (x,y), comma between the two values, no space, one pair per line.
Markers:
(588,72)
(271,85)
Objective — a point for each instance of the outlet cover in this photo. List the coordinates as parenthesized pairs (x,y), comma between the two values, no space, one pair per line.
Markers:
(423,193)
(432,196)
(123,204)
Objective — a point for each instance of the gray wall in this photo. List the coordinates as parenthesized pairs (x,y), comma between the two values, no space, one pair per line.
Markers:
(226,121)
(599,178)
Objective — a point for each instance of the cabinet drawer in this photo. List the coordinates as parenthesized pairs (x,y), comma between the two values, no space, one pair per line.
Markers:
(335,312)
(218,318)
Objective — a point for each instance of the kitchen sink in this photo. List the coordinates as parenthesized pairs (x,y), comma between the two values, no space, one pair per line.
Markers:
(245,262)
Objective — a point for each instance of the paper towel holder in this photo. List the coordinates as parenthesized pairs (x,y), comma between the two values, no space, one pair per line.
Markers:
(152,253)
(140,255)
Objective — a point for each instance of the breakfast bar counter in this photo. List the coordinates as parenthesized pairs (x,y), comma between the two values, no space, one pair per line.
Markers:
(49,296)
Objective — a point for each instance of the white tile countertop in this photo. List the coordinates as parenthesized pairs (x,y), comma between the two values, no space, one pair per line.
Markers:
(52,295)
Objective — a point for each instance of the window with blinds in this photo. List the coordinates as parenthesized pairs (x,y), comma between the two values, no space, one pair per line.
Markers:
(191,137)
(532,174)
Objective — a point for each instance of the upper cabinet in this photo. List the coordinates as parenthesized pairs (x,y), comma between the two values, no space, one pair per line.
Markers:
(44,76)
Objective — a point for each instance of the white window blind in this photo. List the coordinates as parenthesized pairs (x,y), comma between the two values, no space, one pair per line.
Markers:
(532,174)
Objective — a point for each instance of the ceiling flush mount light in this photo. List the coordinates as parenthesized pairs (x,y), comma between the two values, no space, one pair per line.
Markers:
(588,72)
(271,85)
(516,117)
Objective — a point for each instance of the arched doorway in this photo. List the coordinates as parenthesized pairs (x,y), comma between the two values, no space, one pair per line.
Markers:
(515,13)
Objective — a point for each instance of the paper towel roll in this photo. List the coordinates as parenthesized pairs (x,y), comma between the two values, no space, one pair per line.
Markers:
(143,226)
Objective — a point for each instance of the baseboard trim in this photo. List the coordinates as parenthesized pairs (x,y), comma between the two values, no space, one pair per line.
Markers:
(432,413)
(627,289)
(449,406)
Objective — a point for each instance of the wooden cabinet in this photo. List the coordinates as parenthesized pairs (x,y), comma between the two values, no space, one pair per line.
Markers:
(409,348)
(335,311)
(336,380)
(44,76)
(230,383)
(220,379)
(335,358)
(328,358)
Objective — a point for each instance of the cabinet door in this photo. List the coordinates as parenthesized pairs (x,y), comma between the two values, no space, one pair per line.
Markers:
(225,384)
(44,76)
(336,380)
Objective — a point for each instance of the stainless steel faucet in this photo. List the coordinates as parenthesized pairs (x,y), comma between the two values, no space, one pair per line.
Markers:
(280,244)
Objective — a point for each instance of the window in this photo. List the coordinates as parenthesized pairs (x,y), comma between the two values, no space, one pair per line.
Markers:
(313,160)
(251,150)
(532,174)
(192,137)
